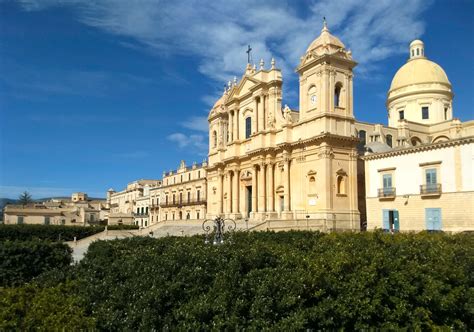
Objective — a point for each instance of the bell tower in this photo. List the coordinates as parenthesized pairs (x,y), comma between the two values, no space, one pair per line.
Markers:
(326,87)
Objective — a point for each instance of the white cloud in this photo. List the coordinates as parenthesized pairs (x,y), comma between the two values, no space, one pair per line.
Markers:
(218,31)
(198,123)
(197,143)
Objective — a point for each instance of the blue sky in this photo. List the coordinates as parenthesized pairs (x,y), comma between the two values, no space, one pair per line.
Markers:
(95,94)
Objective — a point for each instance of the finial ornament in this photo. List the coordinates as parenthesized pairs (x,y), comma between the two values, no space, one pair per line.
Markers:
(235,80)
(273,63)
(249,54)
(262,63)
(325,25)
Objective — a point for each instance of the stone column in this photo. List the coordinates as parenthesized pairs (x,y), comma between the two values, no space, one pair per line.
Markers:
(254,189)
(257,115)
(271,188)
(228,208)
(221,192)
(236,124)
(235,192)
(261,114)
(352,182)
(332,86)
(286,175)
(261,188)
(231,127)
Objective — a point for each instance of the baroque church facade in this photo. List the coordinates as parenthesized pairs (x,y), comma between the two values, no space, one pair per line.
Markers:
(269,163)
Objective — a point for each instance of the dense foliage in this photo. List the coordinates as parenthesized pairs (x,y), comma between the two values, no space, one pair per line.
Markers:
(53,232)
(21,261)
(278,281)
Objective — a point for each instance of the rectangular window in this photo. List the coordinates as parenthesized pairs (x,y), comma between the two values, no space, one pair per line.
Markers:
(47,220)
(197,215)
(389,140)
(20,220)
(433,219)
(431,180)
(198,196)
(401,115)
(248,127)
(387,181)
(425,113)
(445,113)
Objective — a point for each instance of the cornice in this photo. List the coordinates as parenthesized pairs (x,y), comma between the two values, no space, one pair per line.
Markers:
(420,148)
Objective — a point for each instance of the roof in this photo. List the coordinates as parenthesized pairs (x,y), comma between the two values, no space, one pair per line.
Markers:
(419,71)
(325,39)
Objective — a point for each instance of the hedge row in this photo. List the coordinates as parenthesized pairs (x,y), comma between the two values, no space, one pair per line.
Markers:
(21,261)
(258,281)
(53,232)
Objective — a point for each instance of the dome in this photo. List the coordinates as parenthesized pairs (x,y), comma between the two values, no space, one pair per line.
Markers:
(418,69)
(324,40)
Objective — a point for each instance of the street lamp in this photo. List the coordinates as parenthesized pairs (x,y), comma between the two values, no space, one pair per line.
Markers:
(219,228)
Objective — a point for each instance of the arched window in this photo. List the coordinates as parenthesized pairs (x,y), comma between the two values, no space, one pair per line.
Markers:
(312,185)
(197,215)
(248,127)
(188,216)
(180,215)
(312,96)
(337,95)
(214,139)
(341,185)
(166,199)
(388,138)
(362,137)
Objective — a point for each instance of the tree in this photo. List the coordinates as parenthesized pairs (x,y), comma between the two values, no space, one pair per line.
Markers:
(25,198)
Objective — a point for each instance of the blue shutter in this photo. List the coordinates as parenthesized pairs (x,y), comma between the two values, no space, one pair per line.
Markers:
(433,219)
(386,222)
(396,221)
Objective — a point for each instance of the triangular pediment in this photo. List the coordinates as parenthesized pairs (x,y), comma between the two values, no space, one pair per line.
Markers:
(244,86)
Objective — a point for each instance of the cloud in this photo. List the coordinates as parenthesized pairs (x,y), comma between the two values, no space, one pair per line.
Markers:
(198,123)
(218,32)
(197,143)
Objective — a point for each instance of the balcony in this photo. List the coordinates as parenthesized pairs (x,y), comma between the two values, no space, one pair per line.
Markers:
(387,193)
(183,203)
(430,189)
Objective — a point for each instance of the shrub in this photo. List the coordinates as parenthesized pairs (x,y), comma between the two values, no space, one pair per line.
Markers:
(20,261)
(122,227)
(266,281)
(47,232)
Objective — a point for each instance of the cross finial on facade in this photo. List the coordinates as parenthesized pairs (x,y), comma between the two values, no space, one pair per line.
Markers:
(249,55)
(325,24)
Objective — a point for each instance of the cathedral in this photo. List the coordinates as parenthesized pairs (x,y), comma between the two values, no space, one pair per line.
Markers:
(275,165)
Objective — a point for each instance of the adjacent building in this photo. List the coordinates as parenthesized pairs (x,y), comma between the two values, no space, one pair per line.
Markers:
(184,193)
(123,204)
(79,210)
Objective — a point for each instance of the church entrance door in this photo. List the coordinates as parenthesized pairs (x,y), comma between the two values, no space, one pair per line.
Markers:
(249,200)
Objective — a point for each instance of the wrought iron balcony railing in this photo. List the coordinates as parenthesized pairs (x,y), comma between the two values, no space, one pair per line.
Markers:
(430,189)
(183,203)
(388,192)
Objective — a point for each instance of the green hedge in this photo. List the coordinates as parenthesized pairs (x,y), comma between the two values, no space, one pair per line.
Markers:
(21,261)
(259,281)
(54,232)
(47,232)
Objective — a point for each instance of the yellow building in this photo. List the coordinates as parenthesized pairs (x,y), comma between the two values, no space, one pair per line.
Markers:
(183,194)
(280,166)
(272,163)
(78,211)
(427,181)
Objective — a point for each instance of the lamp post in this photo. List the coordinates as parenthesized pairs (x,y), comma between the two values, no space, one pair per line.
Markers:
(219,228)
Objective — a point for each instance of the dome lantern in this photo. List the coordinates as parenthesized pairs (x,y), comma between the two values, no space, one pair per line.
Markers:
(417,49)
